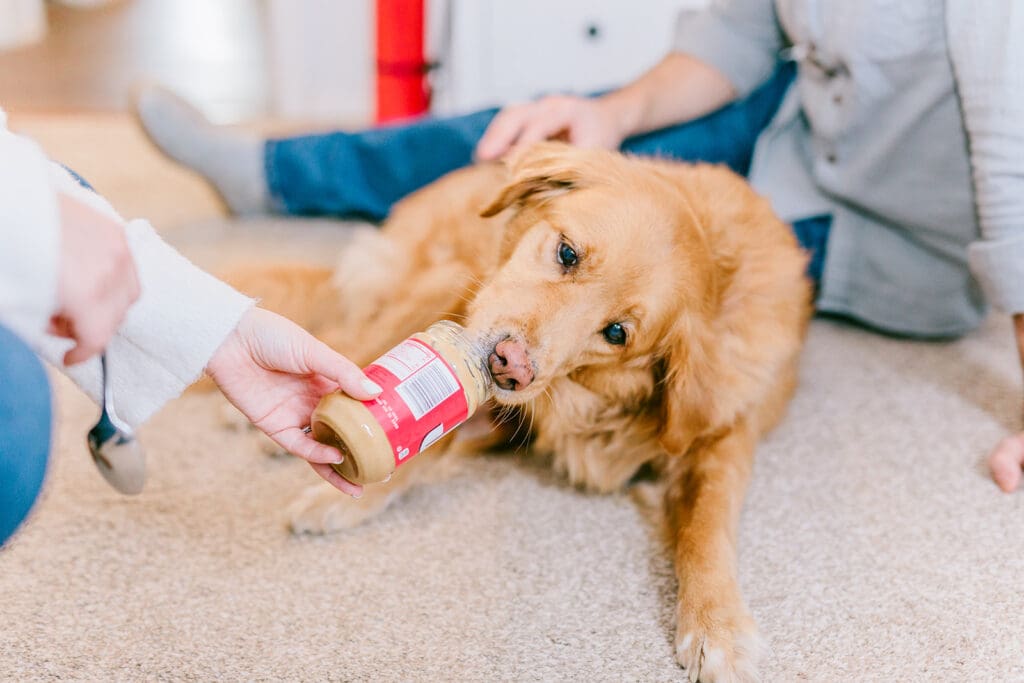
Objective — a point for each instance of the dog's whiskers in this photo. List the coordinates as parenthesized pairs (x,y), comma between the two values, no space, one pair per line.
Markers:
(442,314)
(519,426)
(465,298)
(503,416)
(499,419)
(533,415)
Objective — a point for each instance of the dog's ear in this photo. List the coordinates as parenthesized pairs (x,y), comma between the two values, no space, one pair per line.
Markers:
(686,373)
(731,341)
(538,172)
(721,350)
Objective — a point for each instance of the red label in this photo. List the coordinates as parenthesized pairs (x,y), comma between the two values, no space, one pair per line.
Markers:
(422,399)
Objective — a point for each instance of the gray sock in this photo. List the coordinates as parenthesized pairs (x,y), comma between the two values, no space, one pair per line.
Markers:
(232,160)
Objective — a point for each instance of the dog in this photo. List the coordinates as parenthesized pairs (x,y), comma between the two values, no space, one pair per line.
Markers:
(641,314)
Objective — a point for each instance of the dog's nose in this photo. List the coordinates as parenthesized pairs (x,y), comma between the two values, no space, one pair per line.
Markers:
(510,365)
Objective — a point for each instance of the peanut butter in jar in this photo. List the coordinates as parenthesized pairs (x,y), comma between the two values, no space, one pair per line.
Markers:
(433,382)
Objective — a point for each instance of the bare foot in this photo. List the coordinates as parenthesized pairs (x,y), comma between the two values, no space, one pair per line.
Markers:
(1005,462)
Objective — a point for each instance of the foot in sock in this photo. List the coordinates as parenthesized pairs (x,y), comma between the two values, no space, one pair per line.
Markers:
(231,160)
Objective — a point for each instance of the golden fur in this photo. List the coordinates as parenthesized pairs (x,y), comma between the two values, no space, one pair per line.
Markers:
(708,283)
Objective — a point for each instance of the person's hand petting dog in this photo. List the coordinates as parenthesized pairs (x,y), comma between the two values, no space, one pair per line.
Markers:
(96,283)
(275,373)
(581,121)
(679,88)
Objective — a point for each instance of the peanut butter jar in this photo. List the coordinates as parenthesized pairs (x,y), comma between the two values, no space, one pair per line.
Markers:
(432,382)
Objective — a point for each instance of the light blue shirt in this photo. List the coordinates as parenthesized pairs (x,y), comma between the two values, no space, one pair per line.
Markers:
(875,131)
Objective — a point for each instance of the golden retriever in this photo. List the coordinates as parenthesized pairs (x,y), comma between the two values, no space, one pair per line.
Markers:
(640,313)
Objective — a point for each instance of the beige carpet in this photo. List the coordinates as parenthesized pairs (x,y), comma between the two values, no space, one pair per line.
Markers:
(873,545)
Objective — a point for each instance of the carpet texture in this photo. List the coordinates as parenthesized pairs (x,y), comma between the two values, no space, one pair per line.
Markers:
(873,546)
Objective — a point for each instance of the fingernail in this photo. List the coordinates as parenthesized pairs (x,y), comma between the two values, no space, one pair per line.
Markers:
(341,459)
(371,386)
(357,496)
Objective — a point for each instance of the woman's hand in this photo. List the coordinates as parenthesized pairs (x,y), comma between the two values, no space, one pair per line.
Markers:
(275,373)
(678,88)
(97,282)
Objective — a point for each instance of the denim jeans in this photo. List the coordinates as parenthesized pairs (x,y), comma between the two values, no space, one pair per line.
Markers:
(25,424)
(362,174)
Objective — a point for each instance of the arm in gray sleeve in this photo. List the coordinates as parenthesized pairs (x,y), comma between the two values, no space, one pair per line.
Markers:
(740,38)
(986,46)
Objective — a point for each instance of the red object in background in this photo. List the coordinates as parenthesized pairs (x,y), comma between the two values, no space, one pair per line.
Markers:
(401,67)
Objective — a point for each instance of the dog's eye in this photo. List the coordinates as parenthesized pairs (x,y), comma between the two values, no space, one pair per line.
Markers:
(615,334)
(567,255)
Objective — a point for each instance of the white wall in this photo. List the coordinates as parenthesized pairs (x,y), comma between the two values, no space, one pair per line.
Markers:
(491,51)
(321,59)
(21,22)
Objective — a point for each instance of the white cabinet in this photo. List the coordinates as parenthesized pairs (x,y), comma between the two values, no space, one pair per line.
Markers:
(495,51)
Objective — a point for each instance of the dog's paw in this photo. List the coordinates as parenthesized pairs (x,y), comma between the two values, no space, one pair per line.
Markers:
(369,258)
(715,643)
(322,509)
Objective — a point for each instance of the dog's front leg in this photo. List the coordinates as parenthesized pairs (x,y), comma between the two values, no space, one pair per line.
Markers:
(322,509)
(716,638)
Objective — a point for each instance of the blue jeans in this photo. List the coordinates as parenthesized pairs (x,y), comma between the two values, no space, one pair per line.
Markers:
(363,174)
(25,423)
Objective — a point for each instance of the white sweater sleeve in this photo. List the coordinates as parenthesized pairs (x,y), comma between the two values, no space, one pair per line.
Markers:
(29,236)
(986,44)
(182,315)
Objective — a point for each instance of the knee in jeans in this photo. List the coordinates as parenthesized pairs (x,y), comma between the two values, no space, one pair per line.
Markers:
(25,390)
(25,424)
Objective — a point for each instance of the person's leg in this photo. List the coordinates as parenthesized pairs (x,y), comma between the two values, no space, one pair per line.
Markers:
(364,173)
(812,234)
(230,159)
(725,136)
(25,424)
(360,173)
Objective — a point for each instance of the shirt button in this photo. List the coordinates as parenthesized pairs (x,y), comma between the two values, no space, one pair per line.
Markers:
(830,157)
(838,99)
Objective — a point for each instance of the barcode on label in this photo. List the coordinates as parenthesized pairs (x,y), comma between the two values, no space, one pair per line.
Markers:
(427,388)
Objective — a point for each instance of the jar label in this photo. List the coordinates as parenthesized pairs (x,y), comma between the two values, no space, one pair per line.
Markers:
(422,399)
